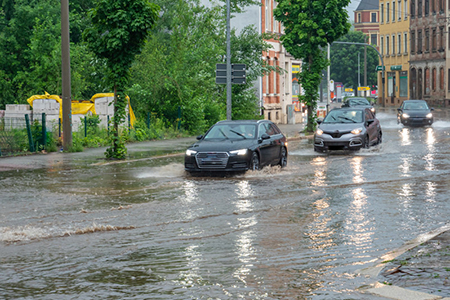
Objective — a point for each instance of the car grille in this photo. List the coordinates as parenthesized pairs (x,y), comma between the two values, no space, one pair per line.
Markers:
(212,159)
(336,134)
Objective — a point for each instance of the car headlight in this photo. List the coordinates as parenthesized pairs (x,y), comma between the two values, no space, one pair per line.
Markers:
(319,131)
(239,152)
(430,115)
(190,152)
(372,109)
(405,116)
(356,131)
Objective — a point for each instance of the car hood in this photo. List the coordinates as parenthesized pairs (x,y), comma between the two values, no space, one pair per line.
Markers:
(222,145)
(416,112)
(332,127)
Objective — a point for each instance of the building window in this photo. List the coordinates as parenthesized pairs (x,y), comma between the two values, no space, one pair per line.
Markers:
(373,39)
(441,37)
(275,22)
(406,9)
(393,11)
(382,45)
(405,43)
(448,81)
(427,81)
(433,79)
(427,40)
(399,43)
(374,17)
(387,45)
(441,6)
(393,44)
(359,18)
(399,14)
(441,79)
(275,74)
(427,7)
(387,12)
(419,8)
(433,6)
(434,40)
(382,12)
(413,9)
(419,41)
(413,42)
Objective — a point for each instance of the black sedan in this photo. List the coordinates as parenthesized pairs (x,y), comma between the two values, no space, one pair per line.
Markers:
(349,128)
(237,146)
(415,113)
(358,101)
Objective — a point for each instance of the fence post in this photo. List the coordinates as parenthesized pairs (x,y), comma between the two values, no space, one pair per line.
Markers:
(148,120)
(30,137)
(85,126)
(59,127)
(179,117)
(107,122)
(44,131)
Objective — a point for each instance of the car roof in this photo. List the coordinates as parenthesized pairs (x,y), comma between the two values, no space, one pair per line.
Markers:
(414,101)
(352,108)
(243,121)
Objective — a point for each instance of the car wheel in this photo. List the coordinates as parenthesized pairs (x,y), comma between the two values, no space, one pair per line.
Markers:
(380,138)
(366,144)
(318,150)
(283,157)
(254,162)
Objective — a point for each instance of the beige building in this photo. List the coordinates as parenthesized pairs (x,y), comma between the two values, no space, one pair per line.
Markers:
(395,49)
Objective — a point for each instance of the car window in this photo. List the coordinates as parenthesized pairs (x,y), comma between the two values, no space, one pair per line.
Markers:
(231,131)
(369,115)
(362,101)
(344,116)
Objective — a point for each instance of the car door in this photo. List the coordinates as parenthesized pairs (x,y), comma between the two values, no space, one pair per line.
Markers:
(372,128)
(266,146)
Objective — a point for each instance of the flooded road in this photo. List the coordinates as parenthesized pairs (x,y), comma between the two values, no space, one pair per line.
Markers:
(144,229)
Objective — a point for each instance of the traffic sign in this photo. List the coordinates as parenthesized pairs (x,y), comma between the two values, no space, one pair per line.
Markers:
(363,88)
(380,68)
(238,74)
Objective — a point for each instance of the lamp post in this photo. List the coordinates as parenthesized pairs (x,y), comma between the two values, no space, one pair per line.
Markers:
(65,74)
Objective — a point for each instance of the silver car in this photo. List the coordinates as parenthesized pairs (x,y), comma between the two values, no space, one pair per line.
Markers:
(349,128)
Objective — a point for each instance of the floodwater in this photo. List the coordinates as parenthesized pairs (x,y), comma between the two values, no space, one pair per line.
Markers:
(81,228)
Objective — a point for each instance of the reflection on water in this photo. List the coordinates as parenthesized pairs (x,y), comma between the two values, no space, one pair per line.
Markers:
(320,174)
(431,145)
(356,164)
(405,137)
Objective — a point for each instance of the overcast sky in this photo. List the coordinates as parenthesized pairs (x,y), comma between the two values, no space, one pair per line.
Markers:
(353,5)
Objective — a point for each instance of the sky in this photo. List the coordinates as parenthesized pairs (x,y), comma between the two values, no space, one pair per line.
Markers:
(353,5)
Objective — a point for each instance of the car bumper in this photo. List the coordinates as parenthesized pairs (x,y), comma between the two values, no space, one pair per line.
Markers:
(210,163)
(416,121)
(325,143)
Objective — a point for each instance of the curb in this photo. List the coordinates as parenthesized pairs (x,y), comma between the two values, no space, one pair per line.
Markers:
(395,292)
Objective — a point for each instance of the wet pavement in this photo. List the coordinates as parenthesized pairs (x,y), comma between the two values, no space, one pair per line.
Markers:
(326,227)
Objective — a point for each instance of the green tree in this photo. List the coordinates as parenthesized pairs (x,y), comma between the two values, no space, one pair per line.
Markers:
(118,33)
(344,61)
(309,27)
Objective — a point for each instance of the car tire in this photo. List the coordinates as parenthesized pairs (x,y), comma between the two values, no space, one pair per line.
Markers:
(380,138)
(283,157)
(254,163)
(318,150)
(366,143)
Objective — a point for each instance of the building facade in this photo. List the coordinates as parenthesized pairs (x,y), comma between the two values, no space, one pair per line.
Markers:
(367,20)
(395,49)
(428,65)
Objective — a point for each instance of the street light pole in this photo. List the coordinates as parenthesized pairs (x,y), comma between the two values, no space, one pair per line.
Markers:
(65,74)
(228,63)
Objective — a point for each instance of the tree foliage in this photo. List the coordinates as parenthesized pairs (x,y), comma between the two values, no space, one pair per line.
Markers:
(344,61)
(117,34)
(309,27)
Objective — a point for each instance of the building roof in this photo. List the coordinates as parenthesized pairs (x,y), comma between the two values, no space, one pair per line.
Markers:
(368,5)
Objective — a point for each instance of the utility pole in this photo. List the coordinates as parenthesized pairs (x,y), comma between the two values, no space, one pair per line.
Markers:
(228,64)
(328,79)
(365,66)
(65,73)
(359,72)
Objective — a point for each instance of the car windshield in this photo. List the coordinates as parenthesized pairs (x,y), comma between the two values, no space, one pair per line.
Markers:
(415,105)
(232,131)
(362,101)
(344,116)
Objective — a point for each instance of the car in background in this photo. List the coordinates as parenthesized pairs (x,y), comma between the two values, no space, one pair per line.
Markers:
(237,146)
(358,101)
(348,128)
(415,113)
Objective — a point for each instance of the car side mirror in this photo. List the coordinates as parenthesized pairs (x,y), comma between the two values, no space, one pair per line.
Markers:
(199,137)
(432,108)
(319,121)
(370,121)
(399,110)
(265,136)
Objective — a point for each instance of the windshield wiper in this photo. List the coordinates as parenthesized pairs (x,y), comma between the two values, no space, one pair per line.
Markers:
(221,131)
(238,133)
(348,119)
